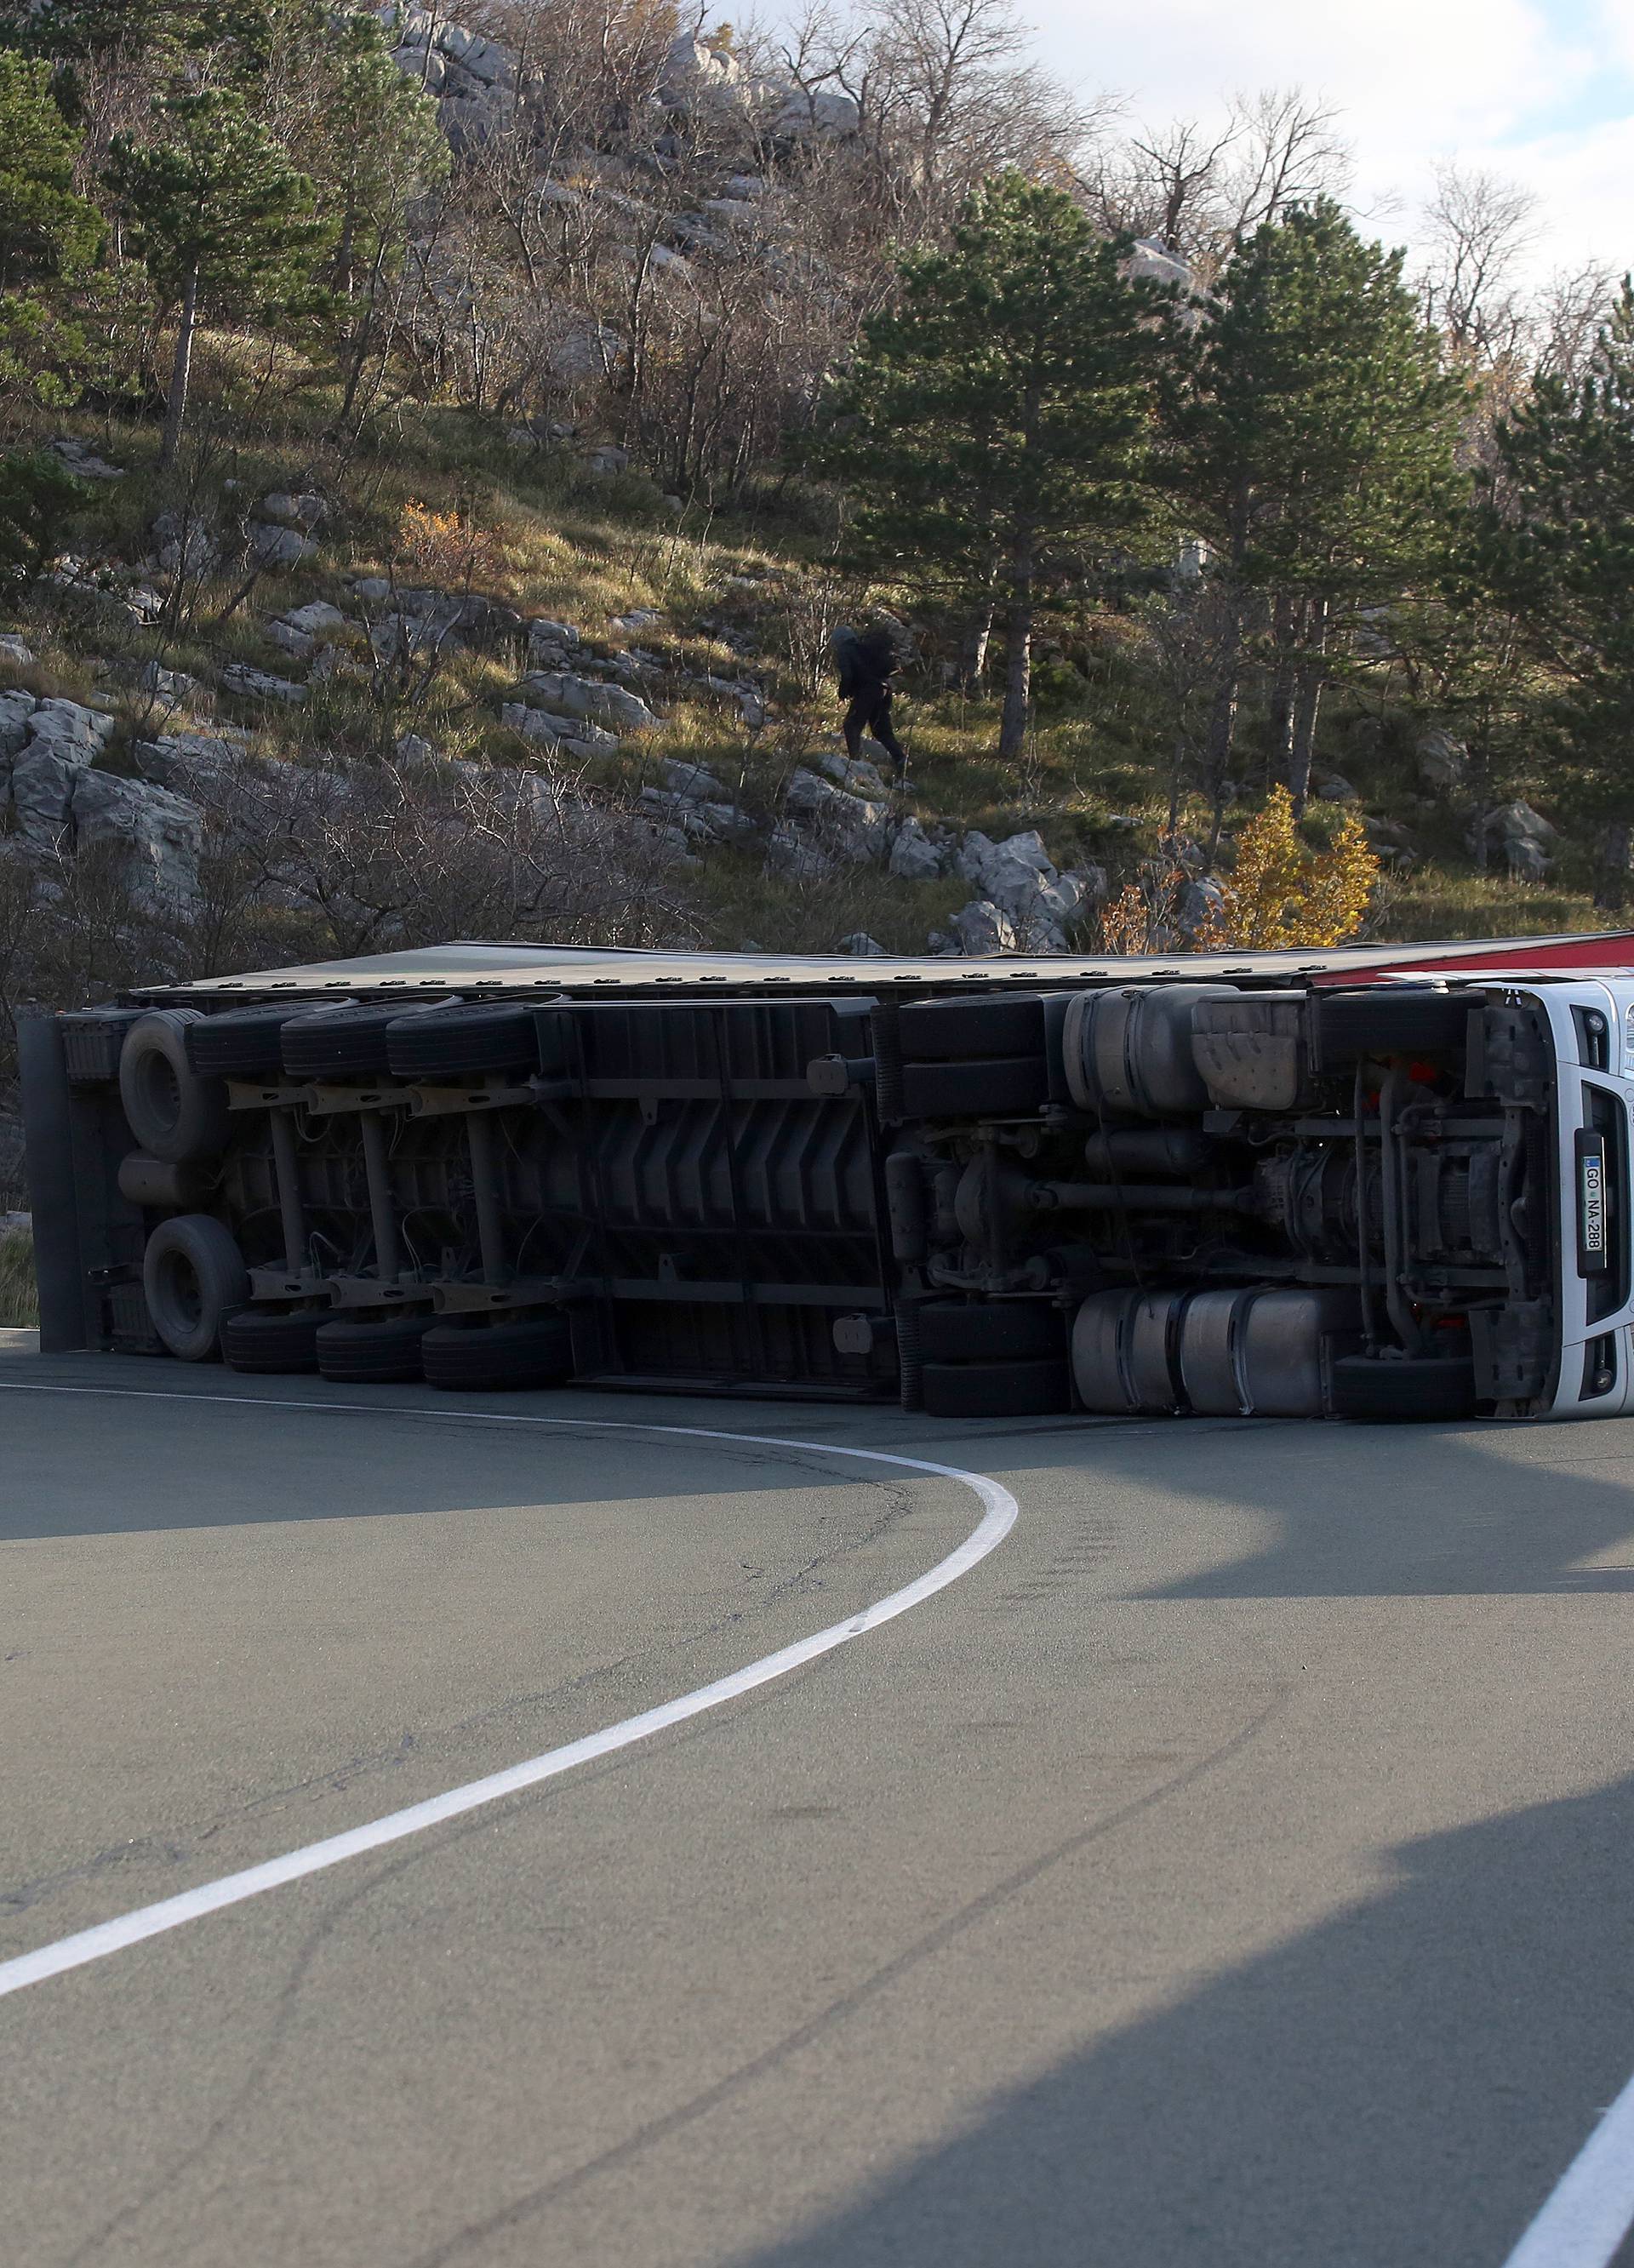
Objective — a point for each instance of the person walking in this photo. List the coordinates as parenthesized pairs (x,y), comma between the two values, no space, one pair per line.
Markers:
(866,660)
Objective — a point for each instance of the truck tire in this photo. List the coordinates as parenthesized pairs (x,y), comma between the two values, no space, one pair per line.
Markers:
(946,1031)
(338,1043)
(1388,1019)
(241,1044)
(466,1357)
(385,1350)
(174,1114)
(1380,1390)
(193,1279)
(1004,1088)
(461,1043)
(996,1389)
(272,1345)
(1008,1331)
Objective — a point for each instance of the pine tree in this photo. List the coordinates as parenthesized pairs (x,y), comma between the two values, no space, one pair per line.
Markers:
(1557,524)
(369,137)
(49,235)
(1322,434)
(996,426)
(221,218)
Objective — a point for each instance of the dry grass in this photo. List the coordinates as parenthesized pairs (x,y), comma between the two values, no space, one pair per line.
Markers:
(19,1300)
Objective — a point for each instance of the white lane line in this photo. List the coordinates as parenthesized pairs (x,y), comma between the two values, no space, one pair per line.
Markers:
(998,1517)
(1591,2207)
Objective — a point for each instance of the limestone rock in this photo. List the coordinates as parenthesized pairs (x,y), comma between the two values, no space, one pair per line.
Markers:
(318,618)
(42,789)
(70,726)
(581,696)
(860,942)
(1336,788)
(293,642)
(982,927)
(795,855)
(692,780)
(13,651)
(185,756)
(16,707)
(80,458)
(1443,763)
(160,834)
(550,643)
(576,734)
(279,547)
(172,685)
(913,857)
(258,685)
(852,772)
(849,824)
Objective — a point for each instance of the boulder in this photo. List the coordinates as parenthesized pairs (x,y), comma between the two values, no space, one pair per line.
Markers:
(1336,788)
(412,749)
(279,546)
(982,927)
(913,857)
(608,462)
(692,780)
(1153,262)
(184,544)
(80,458)
(1443,763)
(172,685)
(16,707)
(294,510)
(716,822)
(850,772)
(293,642)
(544,729)
(317,618)
(640,618)
(1198,904)
(258,685)
(184,756)
(550,641)
(373,590)
(796,856)
(160,834)
(860,942)
(851,825)
(581,696)
(69,727)
(13,651)
(42,788)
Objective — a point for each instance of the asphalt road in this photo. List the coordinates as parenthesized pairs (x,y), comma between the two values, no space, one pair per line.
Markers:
(1233,1870)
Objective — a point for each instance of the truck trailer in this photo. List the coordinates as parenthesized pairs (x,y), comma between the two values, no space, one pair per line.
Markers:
(1381,1181)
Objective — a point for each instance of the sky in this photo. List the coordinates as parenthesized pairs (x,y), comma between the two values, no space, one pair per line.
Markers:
(1538,91)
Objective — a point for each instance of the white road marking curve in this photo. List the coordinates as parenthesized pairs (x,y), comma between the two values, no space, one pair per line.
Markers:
(998,1517)
(1591,2208)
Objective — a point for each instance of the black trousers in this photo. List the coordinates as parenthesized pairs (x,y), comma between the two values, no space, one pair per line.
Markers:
(870,712)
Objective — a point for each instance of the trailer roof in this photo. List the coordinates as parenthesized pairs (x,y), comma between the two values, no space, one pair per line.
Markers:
(581,969)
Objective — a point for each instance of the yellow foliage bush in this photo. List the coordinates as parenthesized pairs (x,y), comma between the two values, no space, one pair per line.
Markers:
(445,548)
(1282,893)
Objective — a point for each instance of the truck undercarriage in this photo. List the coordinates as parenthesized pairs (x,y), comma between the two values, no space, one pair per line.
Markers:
(1245,1191)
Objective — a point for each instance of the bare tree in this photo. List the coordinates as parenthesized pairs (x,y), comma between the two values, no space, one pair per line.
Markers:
(1480,228)
(1569,314)
(1288,150)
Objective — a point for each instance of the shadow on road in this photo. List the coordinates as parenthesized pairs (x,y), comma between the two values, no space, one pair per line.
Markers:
(1398,2088)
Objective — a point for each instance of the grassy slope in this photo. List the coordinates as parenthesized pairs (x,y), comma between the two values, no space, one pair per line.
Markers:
(589,549)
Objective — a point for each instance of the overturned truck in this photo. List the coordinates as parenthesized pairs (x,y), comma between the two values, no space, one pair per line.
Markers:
(1384,1182)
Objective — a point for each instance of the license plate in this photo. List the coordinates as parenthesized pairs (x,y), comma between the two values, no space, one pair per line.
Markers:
(1592,1208)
